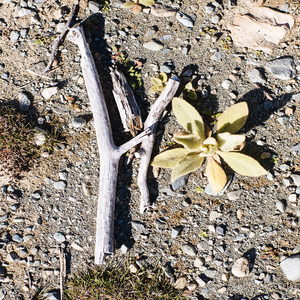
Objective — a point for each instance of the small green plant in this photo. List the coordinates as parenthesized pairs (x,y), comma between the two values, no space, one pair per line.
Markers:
(130,69)
(116,282)
(269,252)
(135,5)
(203,234)
(198,144)
(159,84)
(44,40)
(21,142)
(190,91)
(199,189)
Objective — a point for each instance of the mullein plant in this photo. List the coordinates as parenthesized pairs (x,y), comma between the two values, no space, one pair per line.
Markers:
(199,143)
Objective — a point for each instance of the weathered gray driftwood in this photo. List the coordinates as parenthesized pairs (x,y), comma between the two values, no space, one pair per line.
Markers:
(145,151)
(109,153)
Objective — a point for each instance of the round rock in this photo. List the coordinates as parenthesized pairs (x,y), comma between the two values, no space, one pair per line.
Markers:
(60,185)
(78,122)
(189,249)
(17,238)
(24,101)
(153,45)
(281,205)
(241,267)
(291,267)
(59,237)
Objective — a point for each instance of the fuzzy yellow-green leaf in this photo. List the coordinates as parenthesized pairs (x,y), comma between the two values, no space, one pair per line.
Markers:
(169,158)
(147,2)
(192,95)
(190,141)
(228,142)
(163,76)
(233,118)
(129,4)
(189,86)
(243,164)
(216,175)
(154,89)
(188,164)
(210,141)
(188,117)
(156,81)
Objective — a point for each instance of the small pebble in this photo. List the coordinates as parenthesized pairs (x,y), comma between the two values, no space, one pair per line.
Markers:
(59,237)
(281,205)
(291,267)
(241,267)
(153,45)
(60,185)
(17,238)
(78,122)
(226,84)
(235,195)
(215,19)
(189,249)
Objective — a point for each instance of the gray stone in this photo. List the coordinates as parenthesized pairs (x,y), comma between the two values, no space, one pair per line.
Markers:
(25,12)
(241,267)
(234,195)
(60,27)
(220,230)
(49,92)
(2,294)
(36,195)
(211,273)
(208,292)
(94,6)
(53,295)
(63,175)
(226,84)
(240,237)
(24,101)
(151,31)
(218,56)
(256,76)
(24,33)
(287,181)
(60,185)
(175,232)
(12,257)
(214,215)
(203,246)
(153,45)
(138,226)
(282,68)
(59,237)
(291,267)
(180,182)
(198,262)
(209,9)
(184,19)
(2,218)
(17,238)
(189,249)
(295,148)
(166,68)
(14,36)
(161,11)
(284,167)
(5,75)
(296,179)
(59,110)
(78,122)
(215,19)
(166,37)
(270,176)
(281,205)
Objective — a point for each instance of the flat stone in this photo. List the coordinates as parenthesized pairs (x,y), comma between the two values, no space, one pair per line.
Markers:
(94,6)
(51,295)
(153,45)
(215,19)
(60,185)
(25,12)
(211,273)
(296,179)
(208,292)
(12,257)
(291,267)
(59,237)
(180,182)
(159,10)
(214,215)
(180,283)
(295,148)
(282,68)
(281,205)
(184,19)
(60,110)
(226,84)
(256,76)
(240,237)
(220,230)
(175,232)
(198,262)
(189,249)
(234,195)
(17,238)
(78,122)
(151,31)
(49,92)
(124,249)
(241,267)
(203,246)
(218,56)
(209,9)
(138,226)
(14,36)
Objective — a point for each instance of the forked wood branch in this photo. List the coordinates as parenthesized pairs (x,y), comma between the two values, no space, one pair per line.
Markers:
(109,153)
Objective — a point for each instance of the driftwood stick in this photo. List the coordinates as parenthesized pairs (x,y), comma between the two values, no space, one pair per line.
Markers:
(110,154)
(147,145)
(59,38)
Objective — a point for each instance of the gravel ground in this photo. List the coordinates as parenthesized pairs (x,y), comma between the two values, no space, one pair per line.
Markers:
(200,238)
